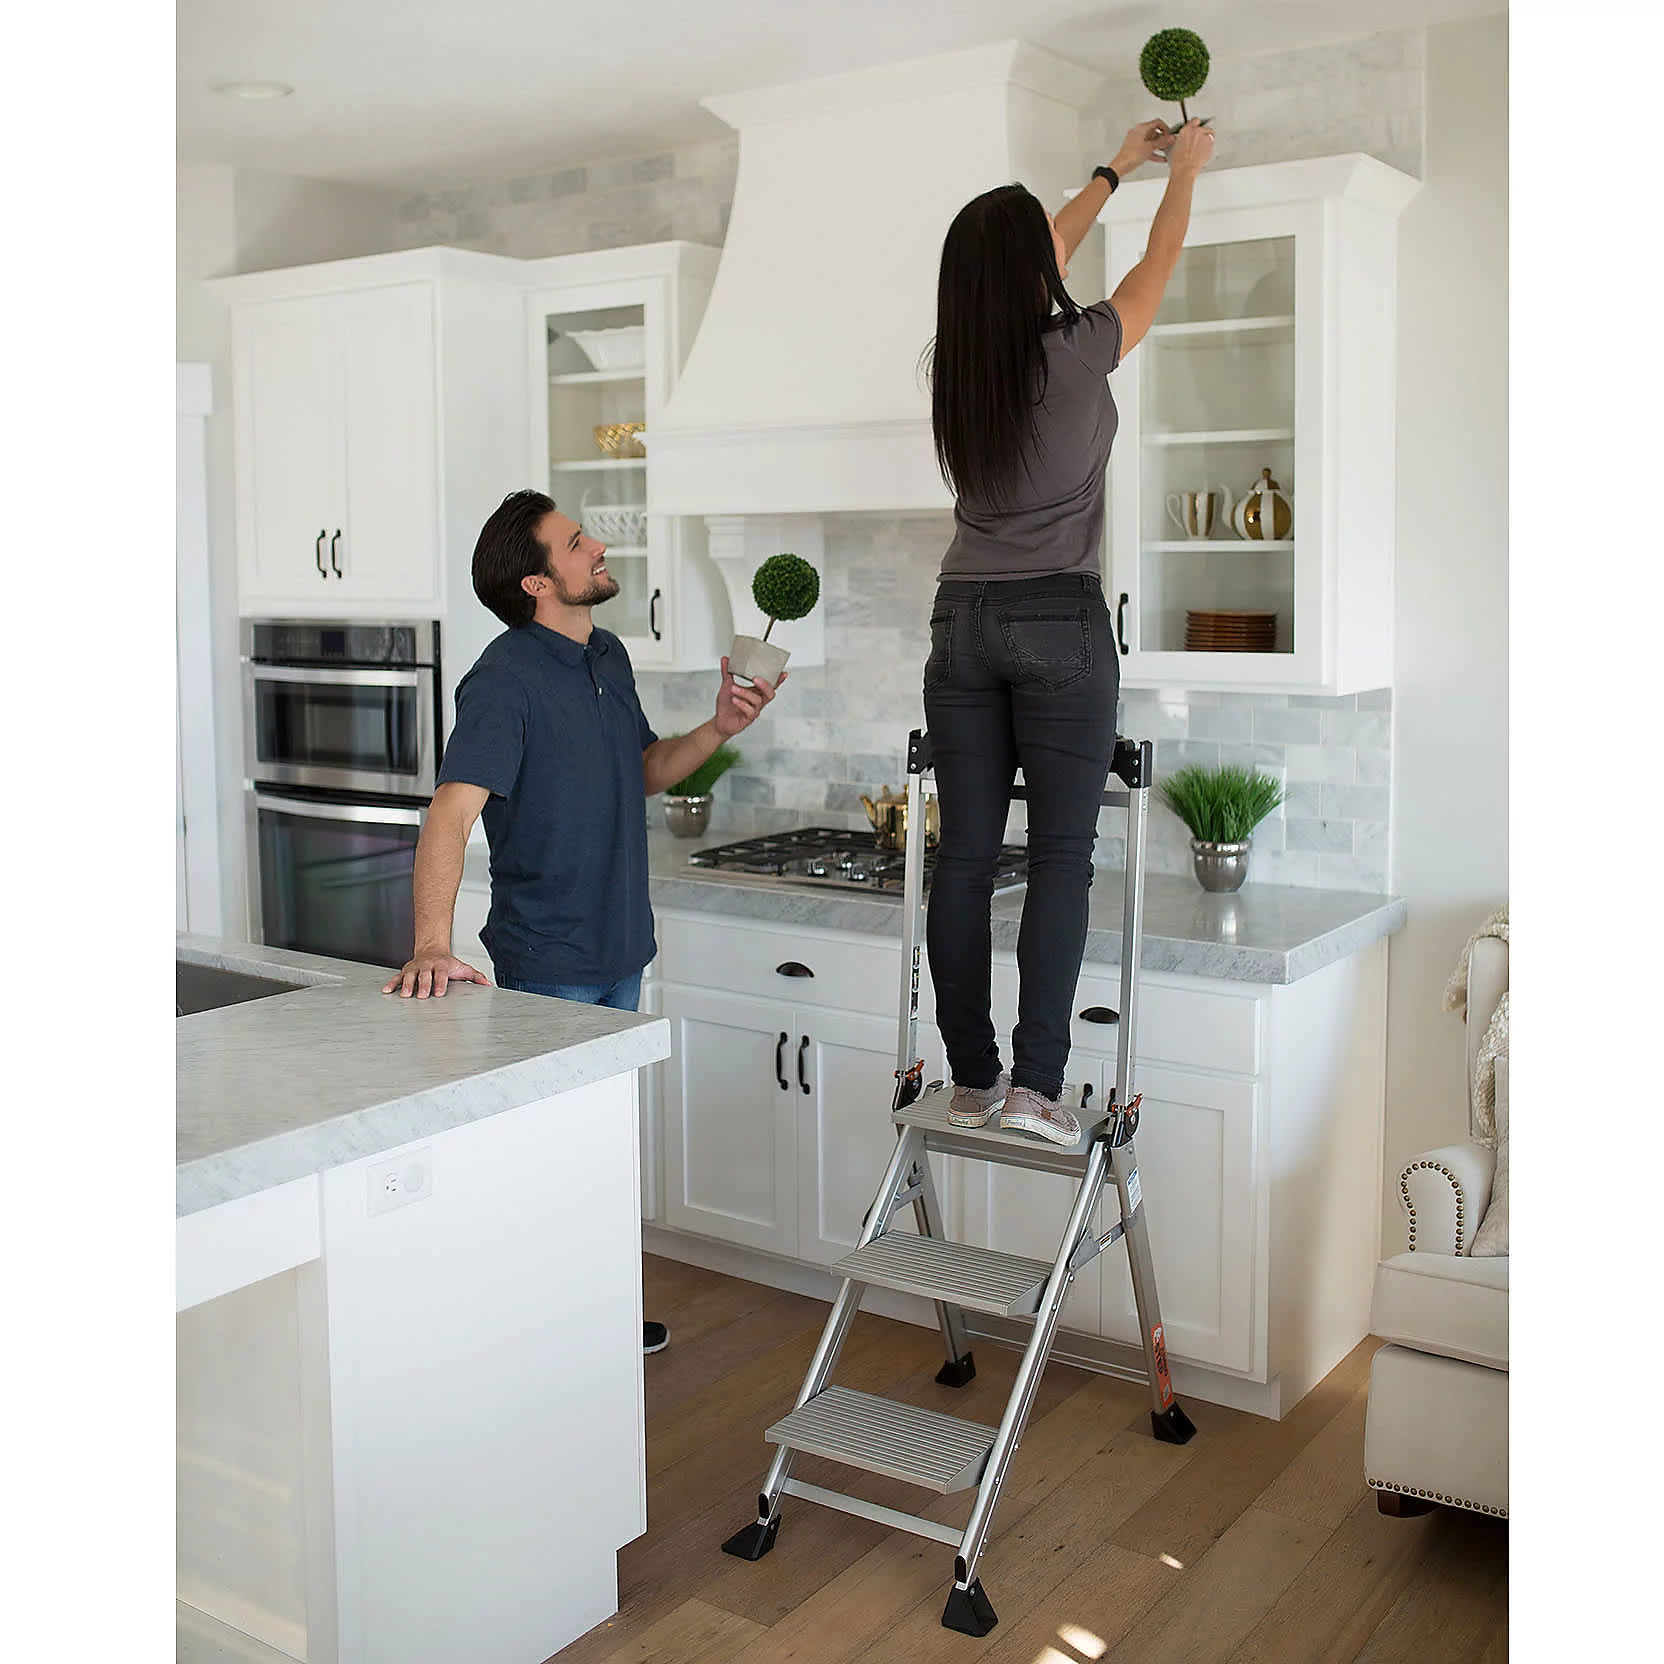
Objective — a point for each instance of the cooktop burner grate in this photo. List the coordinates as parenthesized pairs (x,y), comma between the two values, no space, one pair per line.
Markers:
(837,857)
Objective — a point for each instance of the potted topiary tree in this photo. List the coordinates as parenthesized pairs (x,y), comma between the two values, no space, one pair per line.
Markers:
(785,587)
(1221,806)
(1173,66)
(687,804)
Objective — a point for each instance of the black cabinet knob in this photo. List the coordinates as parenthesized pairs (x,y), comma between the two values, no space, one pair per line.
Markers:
(792,968)
(1121,620)
(333,542)
(318,554)
(780,1061)
(1098,1014)
(653,615)
(802,1051)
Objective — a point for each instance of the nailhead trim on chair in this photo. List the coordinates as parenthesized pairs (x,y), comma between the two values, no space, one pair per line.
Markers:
(1437,1496)
(1409,1206)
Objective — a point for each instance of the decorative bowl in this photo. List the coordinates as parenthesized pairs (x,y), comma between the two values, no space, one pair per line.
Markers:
(620,438)
(622,523)
(613,349)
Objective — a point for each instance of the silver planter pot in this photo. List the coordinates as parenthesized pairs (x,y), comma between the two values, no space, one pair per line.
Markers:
(1220,867)
(688,817)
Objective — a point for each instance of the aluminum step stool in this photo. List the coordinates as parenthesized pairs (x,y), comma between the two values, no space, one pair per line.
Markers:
(939,1452)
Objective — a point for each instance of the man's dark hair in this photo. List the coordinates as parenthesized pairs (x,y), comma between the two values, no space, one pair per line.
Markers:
(507,551)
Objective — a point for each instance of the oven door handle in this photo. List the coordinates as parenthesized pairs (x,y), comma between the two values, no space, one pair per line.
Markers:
(324,676)
(364,813)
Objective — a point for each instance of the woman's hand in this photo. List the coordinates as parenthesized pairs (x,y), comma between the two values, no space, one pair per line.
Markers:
(1192,149)
(1142,144)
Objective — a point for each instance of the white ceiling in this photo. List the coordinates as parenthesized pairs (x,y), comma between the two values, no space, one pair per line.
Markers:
(425,92)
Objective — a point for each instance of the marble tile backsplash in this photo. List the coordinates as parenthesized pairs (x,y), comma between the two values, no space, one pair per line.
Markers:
(840,729)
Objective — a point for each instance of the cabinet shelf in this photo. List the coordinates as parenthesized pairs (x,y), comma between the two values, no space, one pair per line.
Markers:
(1219,545)
(607,464)
(1221,436)
(593,378)
(1220,326)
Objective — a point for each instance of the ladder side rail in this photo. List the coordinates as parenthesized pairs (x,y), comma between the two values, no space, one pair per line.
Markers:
(927,1214)
(1132,923)
(912,922)
(1029,1371)
(909,1149)
(1142,1266)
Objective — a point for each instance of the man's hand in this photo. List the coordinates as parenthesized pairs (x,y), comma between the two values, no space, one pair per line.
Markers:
(1143,143)
(738,707)
(430,973)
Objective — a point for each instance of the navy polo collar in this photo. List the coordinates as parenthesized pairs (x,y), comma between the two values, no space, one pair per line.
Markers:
(564,648)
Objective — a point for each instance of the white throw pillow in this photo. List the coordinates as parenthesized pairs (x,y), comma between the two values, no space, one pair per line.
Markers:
(1491,1239)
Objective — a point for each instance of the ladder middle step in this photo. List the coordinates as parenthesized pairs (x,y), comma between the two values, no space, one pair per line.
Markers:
(920,1447)
(978,1279)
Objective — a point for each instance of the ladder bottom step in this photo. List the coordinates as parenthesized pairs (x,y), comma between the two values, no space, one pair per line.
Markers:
(920,1447)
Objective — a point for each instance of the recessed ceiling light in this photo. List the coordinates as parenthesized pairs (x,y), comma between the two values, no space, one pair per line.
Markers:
(254,90)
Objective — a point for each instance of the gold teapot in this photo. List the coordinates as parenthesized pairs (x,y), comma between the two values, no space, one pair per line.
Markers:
(889,819)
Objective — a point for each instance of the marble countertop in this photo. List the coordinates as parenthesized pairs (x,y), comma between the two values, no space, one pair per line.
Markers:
(279,1088)
(1263,933)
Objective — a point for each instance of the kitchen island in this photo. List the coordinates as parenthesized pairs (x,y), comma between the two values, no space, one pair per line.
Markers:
(409,1313)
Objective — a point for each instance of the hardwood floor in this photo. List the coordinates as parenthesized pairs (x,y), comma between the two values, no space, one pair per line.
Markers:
(1256,1541)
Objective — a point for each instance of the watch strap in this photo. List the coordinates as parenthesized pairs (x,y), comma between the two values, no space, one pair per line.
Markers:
(1111,175)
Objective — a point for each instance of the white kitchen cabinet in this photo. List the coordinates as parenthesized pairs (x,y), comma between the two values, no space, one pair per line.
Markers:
(1274,349)
(380,408)
(608,334)
(731,1119)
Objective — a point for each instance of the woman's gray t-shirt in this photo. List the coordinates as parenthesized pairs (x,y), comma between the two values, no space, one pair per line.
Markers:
(1053,519)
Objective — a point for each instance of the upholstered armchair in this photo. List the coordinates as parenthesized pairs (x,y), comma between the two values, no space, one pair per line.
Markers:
(1437,1429)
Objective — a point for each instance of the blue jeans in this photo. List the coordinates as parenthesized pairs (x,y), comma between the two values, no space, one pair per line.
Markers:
(622,995)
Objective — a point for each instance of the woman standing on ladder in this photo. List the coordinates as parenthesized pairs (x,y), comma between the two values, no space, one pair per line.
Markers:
(1023,669)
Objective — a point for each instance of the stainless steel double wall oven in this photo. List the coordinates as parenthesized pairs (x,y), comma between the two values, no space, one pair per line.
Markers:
(342,737)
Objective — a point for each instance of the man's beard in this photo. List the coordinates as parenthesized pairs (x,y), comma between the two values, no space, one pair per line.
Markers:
(602,587)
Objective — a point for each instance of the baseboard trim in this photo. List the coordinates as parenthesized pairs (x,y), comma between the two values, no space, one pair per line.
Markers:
(1102,1357)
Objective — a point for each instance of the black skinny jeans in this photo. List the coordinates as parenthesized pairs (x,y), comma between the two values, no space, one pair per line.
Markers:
(1024,673)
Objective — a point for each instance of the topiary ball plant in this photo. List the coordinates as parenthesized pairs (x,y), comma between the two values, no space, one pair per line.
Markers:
(1173,66)
(786,587)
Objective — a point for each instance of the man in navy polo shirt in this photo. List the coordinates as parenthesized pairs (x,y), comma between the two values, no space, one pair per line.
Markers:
(551,744)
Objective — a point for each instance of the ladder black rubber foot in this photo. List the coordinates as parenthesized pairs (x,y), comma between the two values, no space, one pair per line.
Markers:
(957,1372)
(1172,1425)
(968,1610)
(754,1541)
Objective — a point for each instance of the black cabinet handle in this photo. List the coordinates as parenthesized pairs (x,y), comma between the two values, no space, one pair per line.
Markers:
(792,968)
(803,1047)
(318,554)
(1099,1014)
(1121,620)
(780,1061)
(653,615)
(332,560)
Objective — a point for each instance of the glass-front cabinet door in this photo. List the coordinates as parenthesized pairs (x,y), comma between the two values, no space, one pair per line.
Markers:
(603,379)
(1239,552)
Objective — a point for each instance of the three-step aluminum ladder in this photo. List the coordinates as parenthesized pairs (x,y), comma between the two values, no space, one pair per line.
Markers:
(944,1453)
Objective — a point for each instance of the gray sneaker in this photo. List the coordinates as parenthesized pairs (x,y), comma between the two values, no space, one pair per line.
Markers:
(1027,1111)
(976,1106)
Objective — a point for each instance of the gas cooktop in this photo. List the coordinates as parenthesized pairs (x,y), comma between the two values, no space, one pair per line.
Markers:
(821,856)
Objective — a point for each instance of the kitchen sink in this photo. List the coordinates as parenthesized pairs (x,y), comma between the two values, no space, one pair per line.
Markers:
(208,988)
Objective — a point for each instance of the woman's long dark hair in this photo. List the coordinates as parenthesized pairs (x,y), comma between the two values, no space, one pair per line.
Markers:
(998,288)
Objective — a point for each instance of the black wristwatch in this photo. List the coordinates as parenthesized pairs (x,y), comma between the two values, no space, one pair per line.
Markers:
(1111,175)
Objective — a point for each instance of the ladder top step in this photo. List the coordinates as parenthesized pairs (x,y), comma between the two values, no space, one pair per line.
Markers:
(878,1435)
(979,1279)
(992,1143)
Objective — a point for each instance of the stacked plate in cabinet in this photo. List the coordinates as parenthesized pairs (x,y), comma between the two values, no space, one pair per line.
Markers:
(1230,632)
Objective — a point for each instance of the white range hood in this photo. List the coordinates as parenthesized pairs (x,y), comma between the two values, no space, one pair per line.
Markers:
(803,394)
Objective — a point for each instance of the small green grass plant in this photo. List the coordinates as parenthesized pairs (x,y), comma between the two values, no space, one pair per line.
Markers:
(703,778)
(1220,805)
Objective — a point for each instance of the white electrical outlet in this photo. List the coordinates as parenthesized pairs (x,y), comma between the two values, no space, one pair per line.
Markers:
(398,1183)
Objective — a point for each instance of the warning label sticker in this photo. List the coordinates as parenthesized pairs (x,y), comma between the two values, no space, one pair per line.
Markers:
(1135,1191)
(1163,1379)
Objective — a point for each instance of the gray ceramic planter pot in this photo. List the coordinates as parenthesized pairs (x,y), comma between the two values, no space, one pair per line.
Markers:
(750,657)
(1220,867)
(688,817)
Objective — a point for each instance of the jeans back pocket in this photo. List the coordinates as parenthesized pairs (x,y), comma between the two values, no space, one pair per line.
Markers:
(940,662)
(1048,644)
